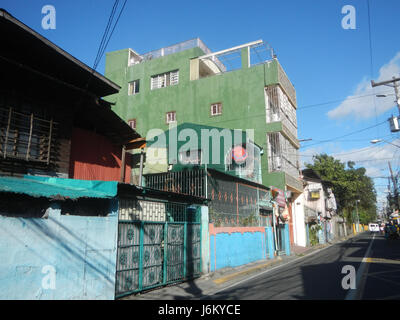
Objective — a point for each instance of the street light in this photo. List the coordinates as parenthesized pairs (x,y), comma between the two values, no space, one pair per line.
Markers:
(390,94)
(374,141)
(394,121)
(358,218)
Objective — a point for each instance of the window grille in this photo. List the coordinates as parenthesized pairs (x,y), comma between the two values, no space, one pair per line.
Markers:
(216,109)
(282,155)
(165,79)
(132,123)
(25,136)
(133,87)
(279,108)
(171,117)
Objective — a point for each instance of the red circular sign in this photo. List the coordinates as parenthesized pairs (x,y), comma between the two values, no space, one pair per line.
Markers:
(239,154)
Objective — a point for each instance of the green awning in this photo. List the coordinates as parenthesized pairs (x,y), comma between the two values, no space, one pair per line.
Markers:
(59,188)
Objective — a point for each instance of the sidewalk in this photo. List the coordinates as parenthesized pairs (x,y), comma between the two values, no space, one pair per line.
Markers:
(212,282)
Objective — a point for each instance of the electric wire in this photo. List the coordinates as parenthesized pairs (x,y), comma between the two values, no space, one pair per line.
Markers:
(346,135)
(340,100)
(104,37)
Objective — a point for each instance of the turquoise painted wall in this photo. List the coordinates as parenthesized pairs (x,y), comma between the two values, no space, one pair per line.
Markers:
(236,249)
(80,250)
(269,235)
(205,241)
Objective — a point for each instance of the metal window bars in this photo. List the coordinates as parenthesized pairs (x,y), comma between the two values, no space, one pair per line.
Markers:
(166,79)
(279,108)
(25,136)
(282,155)
(191,182)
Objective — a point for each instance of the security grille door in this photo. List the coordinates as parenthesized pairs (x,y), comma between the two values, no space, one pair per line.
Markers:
(193,249)
(128,257)
(152,271)
(156,253)
(175,252)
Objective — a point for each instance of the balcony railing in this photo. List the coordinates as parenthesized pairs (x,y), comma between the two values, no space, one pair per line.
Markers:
(287,85)
(279,108)
(191,182)
(185,45)
(282,155)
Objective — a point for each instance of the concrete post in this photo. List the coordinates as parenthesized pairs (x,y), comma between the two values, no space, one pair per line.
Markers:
(270,242)
(287,240)
(205,241)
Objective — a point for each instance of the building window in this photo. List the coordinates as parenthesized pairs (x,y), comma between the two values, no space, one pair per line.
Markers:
(165,79)
(132,123)
(26,136)
(282,155)
(170,117)
(190,157)
(133,58)
(133,87)
(216,109)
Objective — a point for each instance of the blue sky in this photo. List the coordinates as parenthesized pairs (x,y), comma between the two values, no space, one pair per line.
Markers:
(325,62)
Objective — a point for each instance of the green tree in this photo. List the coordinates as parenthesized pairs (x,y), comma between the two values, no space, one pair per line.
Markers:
(349,184)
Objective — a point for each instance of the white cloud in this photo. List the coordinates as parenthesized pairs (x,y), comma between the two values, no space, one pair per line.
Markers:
(362,108)
(307,156)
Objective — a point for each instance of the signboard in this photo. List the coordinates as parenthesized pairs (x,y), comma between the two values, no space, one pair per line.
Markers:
(279,196)
(314,194)
(239,154)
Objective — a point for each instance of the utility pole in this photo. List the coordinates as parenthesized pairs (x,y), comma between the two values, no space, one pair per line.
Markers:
(390,83)
(358,217)
(394,121)
(396,193)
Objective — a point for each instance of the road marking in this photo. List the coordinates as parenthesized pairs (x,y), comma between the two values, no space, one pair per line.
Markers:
(380,260)
(355,294)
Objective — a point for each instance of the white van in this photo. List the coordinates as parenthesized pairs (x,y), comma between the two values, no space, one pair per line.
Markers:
(373,227)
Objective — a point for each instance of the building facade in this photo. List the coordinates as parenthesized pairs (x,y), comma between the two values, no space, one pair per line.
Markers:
(187,82)
(315,215)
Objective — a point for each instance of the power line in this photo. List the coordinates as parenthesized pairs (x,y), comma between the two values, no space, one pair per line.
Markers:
(355,140)
(346,135)
(357,151)
(112,31)
(103,39)
(371,60)
(103,43)
(339,100)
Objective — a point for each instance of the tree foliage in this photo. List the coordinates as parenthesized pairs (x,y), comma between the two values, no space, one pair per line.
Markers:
(349,184)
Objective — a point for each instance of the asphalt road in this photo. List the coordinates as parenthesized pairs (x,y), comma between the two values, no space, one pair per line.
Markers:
(319,276)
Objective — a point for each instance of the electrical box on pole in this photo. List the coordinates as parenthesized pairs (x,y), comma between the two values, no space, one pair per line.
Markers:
(393,121)
(394,124)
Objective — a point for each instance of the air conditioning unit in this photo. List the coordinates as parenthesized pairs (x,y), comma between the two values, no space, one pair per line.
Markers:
(394,124)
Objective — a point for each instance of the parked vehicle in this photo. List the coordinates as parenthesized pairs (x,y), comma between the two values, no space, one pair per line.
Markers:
(373,227)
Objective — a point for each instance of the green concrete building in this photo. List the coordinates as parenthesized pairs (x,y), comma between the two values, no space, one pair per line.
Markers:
(244,87)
